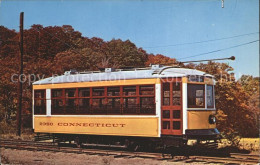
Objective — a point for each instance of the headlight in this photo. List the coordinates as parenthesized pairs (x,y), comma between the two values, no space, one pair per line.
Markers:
(212,119)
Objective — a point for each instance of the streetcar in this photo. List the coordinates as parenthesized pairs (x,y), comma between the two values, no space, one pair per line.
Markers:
(157,105)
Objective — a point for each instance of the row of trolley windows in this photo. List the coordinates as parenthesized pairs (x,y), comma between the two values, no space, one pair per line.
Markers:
(115,99)
(196,96)
(101,100)
(111,91)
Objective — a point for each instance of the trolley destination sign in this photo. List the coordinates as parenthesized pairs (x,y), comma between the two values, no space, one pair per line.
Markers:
(69,124)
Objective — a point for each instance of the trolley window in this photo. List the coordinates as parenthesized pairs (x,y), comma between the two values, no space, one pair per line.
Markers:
(166,124)
(194,78)
(129,91)
(210,99)
(176,93)
(39,94)
(147,105)
(84,92)
(113,105)
(166,93)
(70,92)
(176,125)
(196,98)
(113,91)
(166,114)
(130,106)
(147,90)
(98,103)
(57,106)
(39,102)
(56,93)
(176,114)
(84,105)
(98,91)
(57,101)
(70,101)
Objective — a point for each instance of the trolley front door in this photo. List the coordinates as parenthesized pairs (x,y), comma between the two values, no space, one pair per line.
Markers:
(171,114)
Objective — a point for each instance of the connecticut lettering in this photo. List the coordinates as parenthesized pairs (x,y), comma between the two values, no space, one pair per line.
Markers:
(65,124)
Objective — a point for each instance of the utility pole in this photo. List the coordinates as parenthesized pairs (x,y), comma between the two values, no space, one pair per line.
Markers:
(20,79)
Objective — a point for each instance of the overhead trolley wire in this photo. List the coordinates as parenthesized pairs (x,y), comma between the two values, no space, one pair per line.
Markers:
(179,44)
(198,42)
(214,51)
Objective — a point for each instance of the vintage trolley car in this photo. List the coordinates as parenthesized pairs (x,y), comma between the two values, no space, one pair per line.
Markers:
(142,106)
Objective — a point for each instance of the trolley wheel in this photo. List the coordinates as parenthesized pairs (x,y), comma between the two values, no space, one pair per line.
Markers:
(77,142)
(131,145)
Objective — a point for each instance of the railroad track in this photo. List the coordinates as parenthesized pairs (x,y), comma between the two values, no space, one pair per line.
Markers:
(236,158)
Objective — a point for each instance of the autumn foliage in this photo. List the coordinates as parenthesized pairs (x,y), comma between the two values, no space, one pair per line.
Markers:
(54,49)
(237,102)
(160,59)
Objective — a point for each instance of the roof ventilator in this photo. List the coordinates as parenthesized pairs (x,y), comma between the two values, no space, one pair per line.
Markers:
(72,71)
(109,70)
(155,67)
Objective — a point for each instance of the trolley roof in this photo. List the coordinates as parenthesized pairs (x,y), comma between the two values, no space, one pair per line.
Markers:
(155,71)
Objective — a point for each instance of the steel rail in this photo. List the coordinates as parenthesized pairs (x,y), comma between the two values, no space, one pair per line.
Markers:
(51,147)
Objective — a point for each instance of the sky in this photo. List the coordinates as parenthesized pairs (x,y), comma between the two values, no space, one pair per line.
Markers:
(185,30)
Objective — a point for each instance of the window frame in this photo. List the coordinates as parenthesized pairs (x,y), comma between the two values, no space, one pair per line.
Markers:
(147,96)
(204,99)
(80,109)
(213,96)
(149,86)
(42,99)
(61,109)
(205,107)
(67,100)
(174,97)
(169,95)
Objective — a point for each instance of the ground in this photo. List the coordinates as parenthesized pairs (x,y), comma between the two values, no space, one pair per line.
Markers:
(251,144)
(10,156)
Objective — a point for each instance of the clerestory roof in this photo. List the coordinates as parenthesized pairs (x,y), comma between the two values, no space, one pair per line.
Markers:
(156,71)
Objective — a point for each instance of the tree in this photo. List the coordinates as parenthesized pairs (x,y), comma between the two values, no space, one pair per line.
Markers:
(159,59)
(236,115)
(125,53)
(233,110)
(250,85)
(9,43)
(8,88)
(80,60)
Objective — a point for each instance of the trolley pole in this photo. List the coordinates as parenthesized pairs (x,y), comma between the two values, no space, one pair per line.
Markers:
(20,79)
